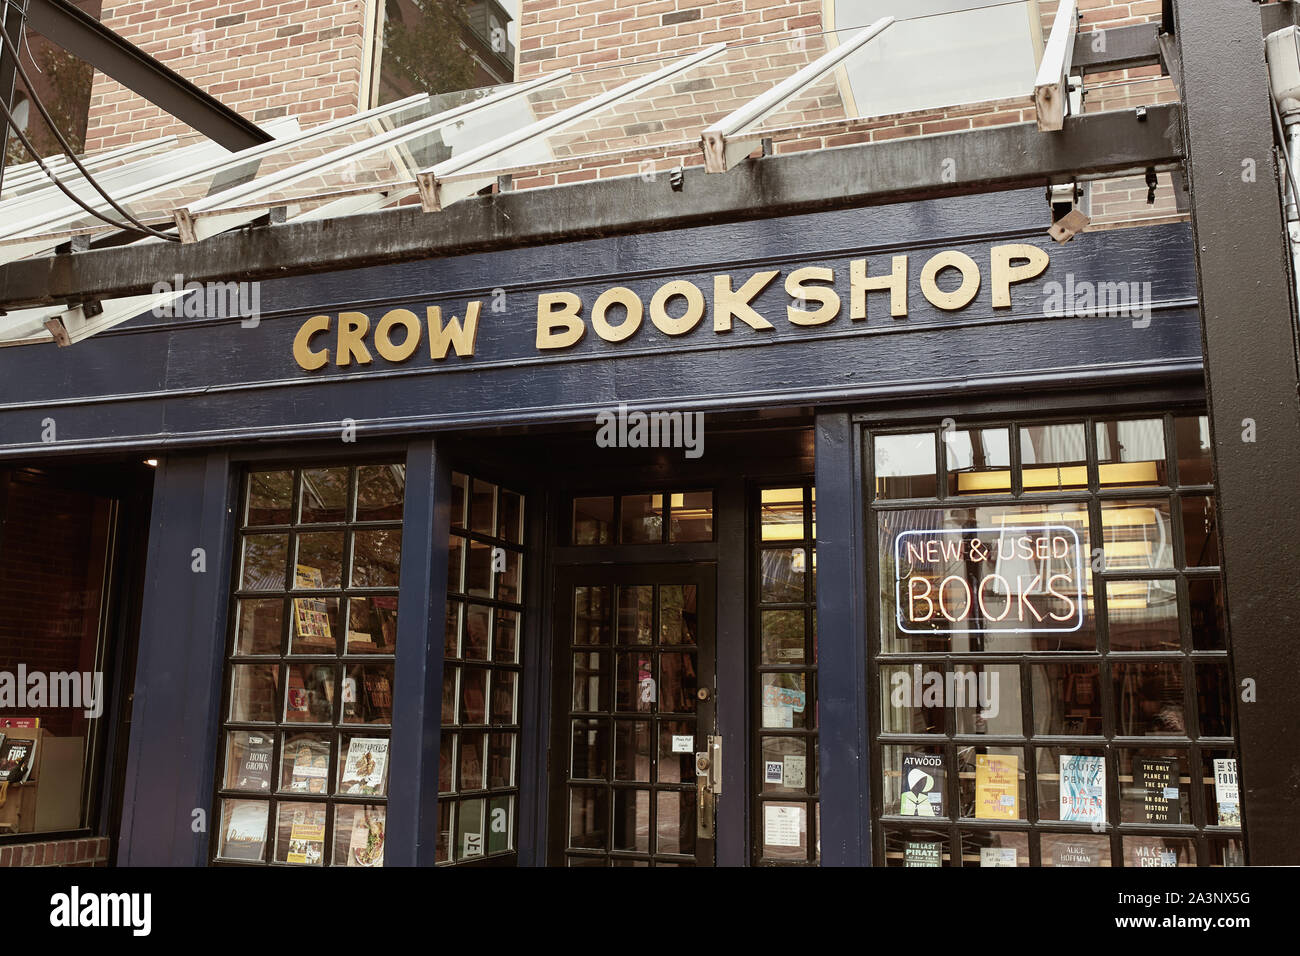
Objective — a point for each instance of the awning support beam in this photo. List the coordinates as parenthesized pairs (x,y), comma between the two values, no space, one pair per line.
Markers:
(724,142)
(1052,88)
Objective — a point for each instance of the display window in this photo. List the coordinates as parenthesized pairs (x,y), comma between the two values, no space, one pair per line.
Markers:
(308,708)
(1048,657)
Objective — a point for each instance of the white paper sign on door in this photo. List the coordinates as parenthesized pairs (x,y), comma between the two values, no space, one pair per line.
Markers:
(796,771)
(683,743)
(782,825)
(773,772)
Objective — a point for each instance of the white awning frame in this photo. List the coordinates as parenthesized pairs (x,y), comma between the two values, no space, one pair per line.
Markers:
(725,143)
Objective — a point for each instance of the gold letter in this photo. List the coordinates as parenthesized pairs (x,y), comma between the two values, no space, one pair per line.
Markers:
(861,284)
(829,299)
(628,299)
(302,353)
(664,322)
(353,327)
(460,339)
(550,318)
(1004,273)
(964,293)
(727,304)
(384,343)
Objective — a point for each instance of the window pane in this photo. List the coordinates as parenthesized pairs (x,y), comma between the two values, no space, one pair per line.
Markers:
(785,765)
(1149,699)
(593,520)
(363,766)
(482,507)
(1154,787)
(1214,699)
(459,499)
(1200,531)
(985,698)
(253,692)
(300,834)
(309,697)
(1075,849)
(1072,784)
(1143,615)
(270,498)
(505,643)
(1132,453)
(979,461)
(264,562)
(478,619)
(782,636)
(260,625)
(642,519)
(781,514)
(376,558)
(589,759)
(912,700)
(1150,851)
(320,560)
(324,495)
(380,492)
(248,761)
(994,848)
(1067,699)
(243,830)
(372,625)
(915,779)
(588,817)
(905,466)
(372,686)
(692,516)
(992,783)
(1209,628)
(784,573)
(305,762)
(1138,536)
(678,614)
(1053,457)
(676,750)
(358,835)
(632,820)
(315,626)
(510,523)
(785,701)
(916,847)
(1195,462)
(591,607)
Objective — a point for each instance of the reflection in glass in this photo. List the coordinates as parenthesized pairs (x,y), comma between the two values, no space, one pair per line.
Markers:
(270,497)
(692,516)
(1063,447)
(324,495)
(678,620)
(1153,787)
(678,682)
(641,520)
(510,524)
(1132,452)
(1074,849)
(588,817)
(1214,698)
(591,679)
(300,834)
(264,562)
(782,636)
(371,688)
(1195,461)
(635,615)
(320,560)
(380,492)
(253,692)
(781,514)
(1200,531)
(482,507)
(309,696)
(260,626)
(783,575)
(473,695)
(676,765)
(376,558)
(593,520)
(1137,535)
(591,615)
(1143,615)
(243,830)
(1150,851)
(675,821)
(477,620)
(1148,698)
(372,624)
(1209,628)
(1067,699)
(978,460)
(632,819)
(905,466)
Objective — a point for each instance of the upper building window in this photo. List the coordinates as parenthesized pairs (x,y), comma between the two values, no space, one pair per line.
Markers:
(942,52)
(440,46)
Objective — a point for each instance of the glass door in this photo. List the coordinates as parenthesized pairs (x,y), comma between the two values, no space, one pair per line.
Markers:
(633,717)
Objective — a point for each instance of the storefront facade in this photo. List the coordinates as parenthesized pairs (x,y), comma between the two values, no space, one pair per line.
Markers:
(513,557)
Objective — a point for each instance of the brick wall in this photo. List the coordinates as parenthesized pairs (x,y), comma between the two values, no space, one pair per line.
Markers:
(91,851)
(262,58)
(266,59)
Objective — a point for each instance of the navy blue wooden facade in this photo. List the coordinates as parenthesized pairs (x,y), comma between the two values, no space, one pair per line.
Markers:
(205,395)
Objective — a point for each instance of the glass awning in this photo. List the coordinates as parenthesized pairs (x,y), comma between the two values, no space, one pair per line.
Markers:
(721,103)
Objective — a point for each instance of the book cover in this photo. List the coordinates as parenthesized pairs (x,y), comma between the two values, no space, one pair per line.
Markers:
(997,787)
(311,614)
(307,836)
(1083,788)
(998,856)
(921,854)
(255,765)
(1146,857)
(923,781)
(363,770)
(1226,795)
(16,756)
(246,831)
(1075,854)
(366,846)
(311,761)
(1156,777)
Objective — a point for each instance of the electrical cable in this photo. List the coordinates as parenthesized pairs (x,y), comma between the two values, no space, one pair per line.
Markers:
(136,224)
